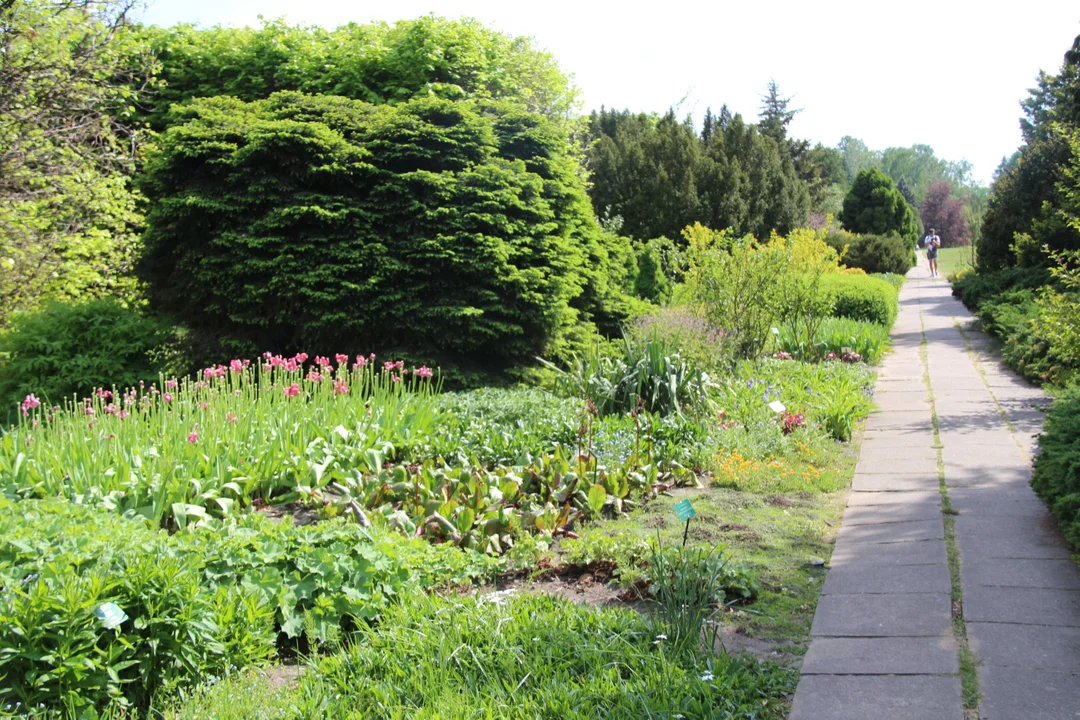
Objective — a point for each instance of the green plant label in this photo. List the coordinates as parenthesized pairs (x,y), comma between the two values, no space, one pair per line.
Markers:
(777,407)
(110,615)
(685,510)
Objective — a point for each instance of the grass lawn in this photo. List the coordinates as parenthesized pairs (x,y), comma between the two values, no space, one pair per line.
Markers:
(952,260)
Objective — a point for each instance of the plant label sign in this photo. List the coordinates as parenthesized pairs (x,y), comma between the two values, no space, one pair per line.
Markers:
(777,407)
(685,510)
(110,615)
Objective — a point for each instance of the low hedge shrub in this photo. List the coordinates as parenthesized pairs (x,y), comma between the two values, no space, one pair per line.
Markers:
(874,253)
(973,288)
(1057,467)
(861,297)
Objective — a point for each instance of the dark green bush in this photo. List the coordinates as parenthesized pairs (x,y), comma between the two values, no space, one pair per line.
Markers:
(455,232)
(64,350)
(861,297)
(874,205)
(973,288)
(874,253)
(1057,467)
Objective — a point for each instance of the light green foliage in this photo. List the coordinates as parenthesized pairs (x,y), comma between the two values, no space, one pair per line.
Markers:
(874,205)
(838,336)
(733,283)
(524,657)
(861,297)
(1059,311)
(64,350)
(502,260)
(377,63)
(69,77)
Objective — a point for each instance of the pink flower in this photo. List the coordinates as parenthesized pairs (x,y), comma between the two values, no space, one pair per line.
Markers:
(341,358)
(291,391)
(104,394)
(267,355)
(340,388)
(388,365)
(89,410)
(236,365)
(322,361)
(361,361)
(124,414)
(170,384)
(314,376)
(268,367)
(31,402)
(291,365)
(167,397)
(277,361)
(396,378)
(111,409)
(301,357)
(208,372)
(193,437)
(205,405)
(231,418)
(423,371)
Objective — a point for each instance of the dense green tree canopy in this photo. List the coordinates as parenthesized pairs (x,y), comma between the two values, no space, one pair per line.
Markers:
(1028,198)
(874,206)
(456,231)
(68,77)
(377,63)
(659,175)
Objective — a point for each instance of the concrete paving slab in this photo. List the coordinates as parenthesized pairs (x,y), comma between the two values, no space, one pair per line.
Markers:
(925,552)
(892,532)
(1024,606)
(852,697)
(1008,537)
(1020,501)
(1058,573)
(1020,694)
(913,497)
(860,578)
(893,615)
(897,466)
(888,483)
(881,656)
(883,439)
(891,513)
(1035,647)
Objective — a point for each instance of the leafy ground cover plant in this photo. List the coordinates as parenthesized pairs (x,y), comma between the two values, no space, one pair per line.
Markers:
(839,336)
(639,373)
(521,657)
(198,603)
(1057,466)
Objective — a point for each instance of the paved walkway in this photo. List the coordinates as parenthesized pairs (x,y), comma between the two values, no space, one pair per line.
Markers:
(887,634)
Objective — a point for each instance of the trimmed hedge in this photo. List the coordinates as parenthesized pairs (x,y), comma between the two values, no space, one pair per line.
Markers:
(1057,467)
(861,297)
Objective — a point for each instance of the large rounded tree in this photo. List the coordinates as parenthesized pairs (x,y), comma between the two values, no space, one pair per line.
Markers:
(454,231)
(874,206)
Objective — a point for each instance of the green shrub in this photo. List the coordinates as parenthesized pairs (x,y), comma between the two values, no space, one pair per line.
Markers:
(897,281)
(518,658)
(455,231)
(1057,466)
(874,253)
(973,288)
(64,350)
(861,297)
(874,205)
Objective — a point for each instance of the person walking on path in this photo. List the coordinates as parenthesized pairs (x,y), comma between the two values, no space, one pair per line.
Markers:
(932,243)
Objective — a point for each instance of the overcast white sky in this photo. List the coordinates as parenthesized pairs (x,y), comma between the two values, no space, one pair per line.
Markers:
(947,73)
